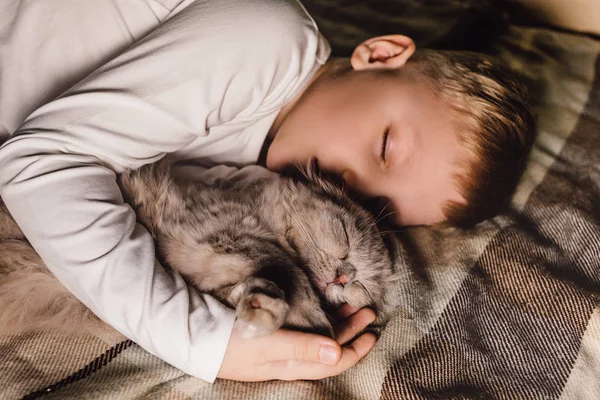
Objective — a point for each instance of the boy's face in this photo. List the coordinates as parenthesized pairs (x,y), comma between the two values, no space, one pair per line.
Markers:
(385,136)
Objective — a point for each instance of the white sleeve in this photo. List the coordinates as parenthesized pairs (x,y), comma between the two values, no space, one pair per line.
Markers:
(58,170)
(48,46)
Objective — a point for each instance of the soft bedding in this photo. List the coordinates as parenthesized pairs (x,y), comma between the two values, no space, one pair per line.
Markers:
(509,310)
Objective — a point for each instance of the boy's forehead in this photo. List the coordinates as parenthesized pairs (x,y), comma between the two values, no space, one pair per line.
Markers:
(418,209)
(421,192)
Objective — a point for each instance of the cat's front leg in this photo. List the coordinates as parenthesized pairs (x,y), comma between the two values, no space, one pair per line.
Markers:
(261,307)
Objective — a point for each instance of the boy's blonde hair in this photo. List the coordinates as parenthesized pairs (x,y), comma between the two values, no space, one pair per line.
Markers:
(495,125)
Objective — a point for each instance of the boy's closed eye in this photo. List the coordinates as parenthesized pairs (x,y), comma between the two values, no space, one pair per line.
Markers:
(384,145)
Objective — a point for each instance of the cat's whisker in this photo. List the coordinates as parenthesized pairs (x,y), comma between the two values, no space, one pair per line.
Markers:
(302,168)
(387,234)
(367,291)
(387,215)
(381,233)
(381,212)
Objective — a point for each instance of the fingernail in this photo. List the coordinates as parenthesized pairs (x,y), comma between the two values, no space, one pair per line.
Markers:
(328,354)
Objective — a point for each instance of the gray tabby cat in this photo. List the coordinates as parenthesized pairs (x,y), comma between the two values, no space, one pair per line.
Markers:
(282,252)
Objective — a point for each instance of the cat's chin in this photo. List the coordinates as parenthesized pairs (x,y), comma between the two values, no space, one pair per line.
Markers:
(334,294)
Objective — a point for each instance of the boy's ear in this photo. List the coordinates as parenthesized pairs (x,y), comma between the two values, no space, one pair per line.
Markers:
(383,52)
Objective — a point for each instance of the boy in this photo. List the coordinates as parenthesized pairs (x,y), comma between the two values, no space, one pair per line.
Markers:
(214,81)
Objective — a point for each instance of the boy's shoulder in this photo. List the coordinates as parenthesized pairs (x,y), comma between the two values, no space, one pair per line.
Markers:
(271,17)
(247,29)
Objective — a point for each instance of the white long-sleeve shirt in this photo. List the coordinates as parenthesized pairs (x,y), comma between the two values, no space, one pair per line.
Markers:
(204,79)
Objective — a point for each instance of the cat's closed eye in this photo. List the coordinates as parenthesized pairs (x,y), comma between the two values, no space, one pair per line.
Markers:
(332,236)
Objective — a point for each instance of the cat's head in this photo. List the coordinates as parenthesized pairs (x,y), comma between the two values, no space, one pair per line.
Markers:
(337,241)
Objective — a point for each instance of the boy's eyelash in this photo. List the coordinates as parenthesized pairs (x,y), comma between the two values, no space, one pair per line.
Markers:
(384,143)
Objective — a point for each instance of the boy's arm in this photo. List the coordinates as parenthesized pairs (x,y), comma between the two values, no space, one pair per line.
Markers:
(58,181)
(58,178)
(69,206)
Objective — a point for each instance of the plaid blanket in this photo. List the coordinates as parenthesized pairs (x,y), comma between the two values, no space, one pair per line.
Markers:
(509,310)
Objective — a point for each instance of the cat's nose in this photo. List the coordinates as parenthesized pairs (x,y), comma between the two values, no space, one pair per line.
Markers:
(341,279)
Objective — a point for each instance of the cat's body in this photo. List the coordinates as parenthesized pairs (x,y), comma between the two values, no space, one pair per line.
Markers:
(275,249)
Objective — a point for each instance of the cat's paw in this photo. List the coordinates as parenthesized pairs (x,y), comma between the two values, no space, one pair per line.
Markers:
(261,312)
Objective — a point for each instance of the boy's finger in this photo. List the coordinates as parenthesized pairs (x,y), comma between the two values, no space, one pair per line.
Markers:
(350,356)
(353,325)
(356,351)
(346,311)
(297,346)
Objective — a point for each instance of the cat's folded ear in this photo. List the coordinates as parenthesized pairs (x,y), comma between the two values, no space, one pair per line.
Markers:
(301,173)
(329,183)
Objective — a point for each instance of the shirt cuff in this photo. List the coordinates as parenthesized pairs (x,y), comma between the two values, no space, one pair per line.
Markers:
(208,354)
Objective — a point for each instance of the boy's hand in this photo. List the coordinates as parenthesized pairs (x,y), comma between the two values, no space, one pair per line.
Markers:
(289,355)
